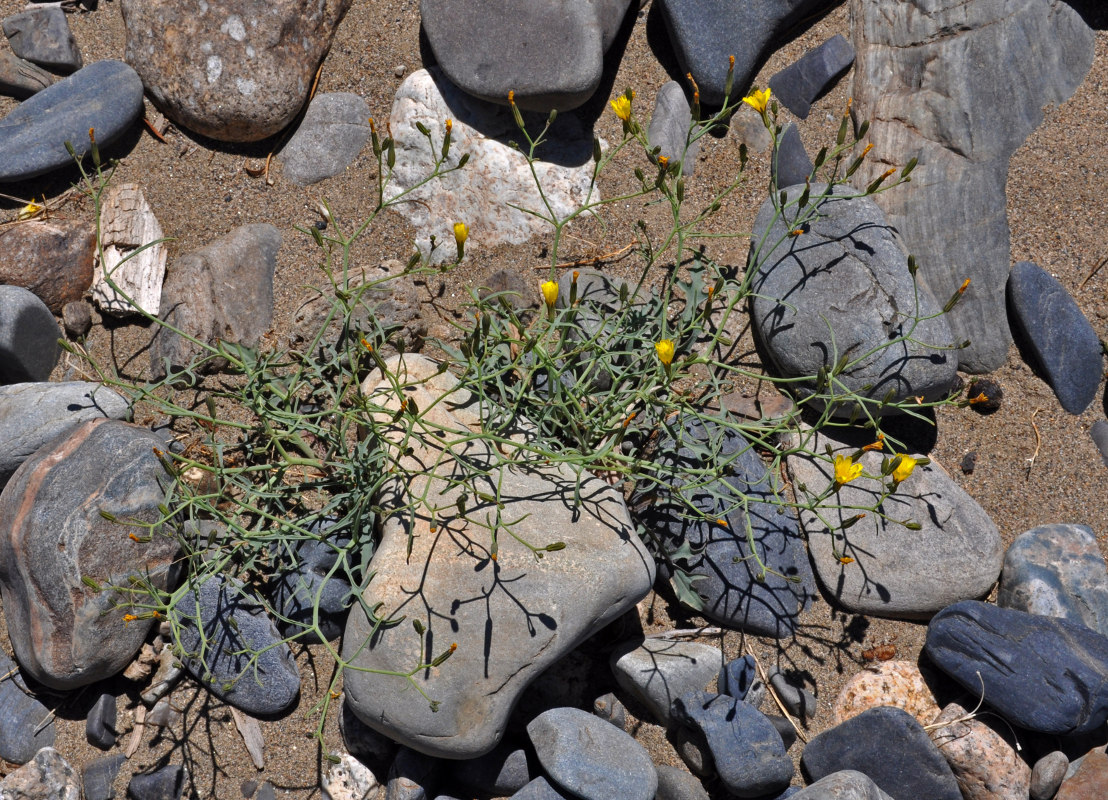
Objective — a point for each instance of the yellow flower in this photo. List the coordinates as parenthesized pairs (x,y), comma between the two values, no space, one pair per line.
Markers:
(622,106)
(461,233)
(758,100)
(904,468)
(665,351)
(550,293)
(846,470)
(30,210)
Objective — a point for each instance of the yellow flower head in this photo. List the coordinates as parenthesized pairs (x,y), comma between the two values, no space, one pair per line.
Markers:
(846,469)
(622,106)
(665,351)
(461,233)
(904,468)
(550,293)
(758,100)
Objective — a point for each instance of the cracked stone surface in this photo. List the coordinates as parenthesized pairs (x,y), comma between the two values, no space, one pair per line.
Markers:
(842,287)
(893,571)
(960,86)
(511,617)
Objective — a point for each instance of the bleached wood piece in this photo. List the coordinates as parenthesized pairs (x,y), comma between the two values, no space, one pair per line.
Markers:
(251,736)
(127,223)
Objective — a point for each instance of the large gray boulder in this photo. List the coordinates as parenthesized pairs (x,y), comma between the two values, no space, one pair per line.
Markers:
(960,86)
(842,288)
(511,616)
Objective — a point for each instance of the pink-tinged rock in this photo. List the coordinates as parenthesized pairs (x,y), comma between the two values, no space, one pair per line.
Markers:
(52,259)
(64,632)
(984,763)
(1089,781)
(890,683)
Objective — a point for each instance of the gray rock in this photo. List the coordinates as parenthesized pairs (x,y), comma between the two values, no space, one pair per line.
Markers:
(511,617)
(1059,340)
(365,744)
(166,783)
(100,723)
(676,784)
(590,758)
(413,776)
(224,623)
(960,87)
(791,164)
(98,775)
(105,96)
(19,78)
(65,633)
(47,776)
(889,746)
(610,709)
(1047,775)
(1039,673)
(221,292)
(842,288)
(732,590)
(313,591)
(739,679)
(334,130)
(540,789)
(42,36)
(500,772)
(34,414)
(746,750)
(550,54)
(478,193)
(28,337)
(896,572)
(77,319)
(52,258)
(798,85)
(845,784)
(1099,434)
(236,71)
(22,732)
(797,700)
(1057,571)
(656,671)
(670,127)
(706,33)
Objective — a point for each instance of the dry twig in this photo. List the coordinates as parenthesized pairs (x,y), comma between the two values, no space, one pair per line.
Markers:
(1038,443)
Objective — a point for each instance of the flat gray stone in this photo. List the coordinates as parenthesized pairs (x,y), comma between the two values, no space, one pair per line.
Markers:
(105,96)
(334,130)
(845,784)
(42,36)
(22,717)
(960,86)
(670,127)
(19,78)
(798,85)
(896,572)
(656,671)
(34,414)
(28,336)
(551,54)
(842,287)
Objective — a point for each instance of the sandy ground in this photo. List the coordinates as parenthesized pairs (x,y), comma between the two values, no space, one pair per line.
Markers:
(1035,463)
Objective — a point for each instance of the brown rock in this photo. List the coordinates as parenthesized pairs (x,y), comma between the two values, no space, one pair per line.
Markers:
(65,633)
(236,71)
(19,78)
(77,318)
(52,259)
(985,764)
(1089,781)
(890,683)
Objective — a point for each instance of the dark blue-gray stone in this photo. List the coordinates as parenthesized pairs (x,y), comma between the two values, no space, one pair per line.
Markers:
(729,590)
(677,784)
(798,85)
(738,677)
(670,127)
(790,164)
(105,96)
(540,789)
(500,772)
(551,54)
(334,130)
(100,723)
(747,751)
(42,36)
(167,783)
(22,732)
(842,287)
(98,775)
(888,745)
(590,758)
(1040,673)
(262,689)
(1057,571)
(28,333)
(1059,340)
(314,580)
(705,33)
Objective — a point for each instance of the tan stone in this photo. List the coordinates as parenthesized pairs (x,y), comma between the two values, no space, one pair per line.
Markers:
(890,683)
(985,764)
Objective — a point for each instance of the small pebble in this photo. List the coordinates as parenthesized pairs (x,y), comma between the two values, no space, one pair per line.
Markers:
(607,707)
(1099,432)
(100,724)
(399,70)
(1047,775)
(985,395)
(167,783)
(969,462)
(77,318)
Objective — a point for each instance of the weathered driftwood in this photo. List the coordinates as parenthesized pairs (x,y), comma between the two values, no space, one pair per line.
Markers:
(127,223)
